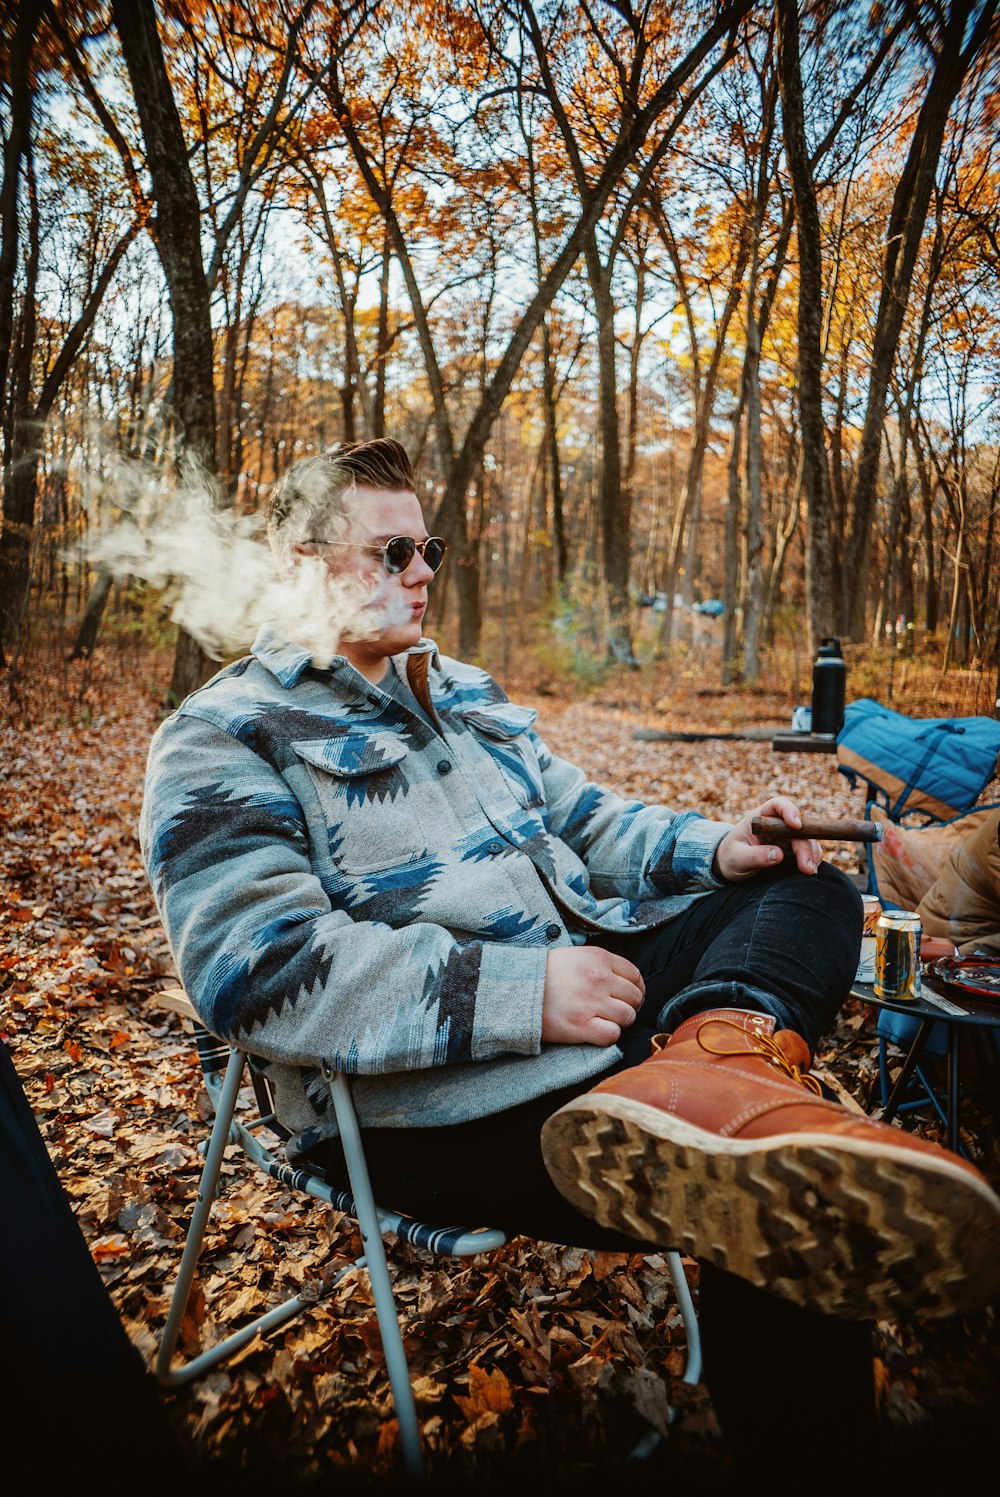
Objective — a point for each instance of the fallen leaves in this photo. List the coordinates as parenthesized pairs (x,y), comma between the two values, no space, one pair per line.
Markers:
(567,1356)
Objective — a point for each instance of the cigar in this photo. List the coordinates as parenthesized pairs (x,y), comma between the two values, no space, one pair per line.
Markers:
(823,828)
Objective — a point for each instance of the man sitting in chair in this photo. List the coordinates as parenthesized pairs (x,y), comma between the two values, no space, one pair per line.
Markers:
(582,1019)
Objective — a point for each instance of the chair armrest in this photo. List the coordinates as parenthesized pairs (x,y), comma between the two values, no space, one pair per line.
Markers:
(177,1001)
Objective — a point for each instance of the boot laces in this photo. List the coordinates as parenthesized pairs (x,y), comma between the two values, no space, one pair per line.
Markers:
(762,1045)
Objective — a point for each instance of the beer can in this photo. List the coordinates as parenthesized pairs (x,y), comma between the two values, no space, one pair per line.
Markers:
(897,955)
(866,962)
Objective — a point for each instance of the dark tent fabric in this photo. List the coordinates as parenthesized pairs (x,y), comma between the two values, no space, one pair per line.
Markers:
(78,1405)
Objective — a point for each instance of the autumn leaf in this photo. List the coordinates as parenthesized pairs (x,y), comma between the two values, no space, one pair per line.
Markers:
(489,1393)
(388,1440)
(103,1123)
(107,1249)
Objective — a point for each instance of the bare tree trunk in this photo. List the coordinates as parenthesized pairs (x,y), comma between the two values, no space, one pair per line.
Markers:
(15,361)
(25,416)
(16,147)
(228,474)
(612,497)
(903,235)
(382,344)
(731,640)
(691,557)
(815,467)
(957,569)
(990,628)
(552,467)
(86,635)
(635,355)
(787,527)
(907,402)
(178,243)
(754,579)
(21,445)
(553,462)
(467,577)
(354,383)
(929,539)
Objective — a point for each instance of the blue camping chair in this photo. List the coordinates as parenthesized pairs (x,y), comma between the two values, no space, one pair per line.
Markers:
(932,769)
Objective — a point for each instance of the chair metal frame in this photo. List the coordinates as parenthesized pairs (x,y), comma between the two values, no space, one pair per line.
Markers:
(224,1069)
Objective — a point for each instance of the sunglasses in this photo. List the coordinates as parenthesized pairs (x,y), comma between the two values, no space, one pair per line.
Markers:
(398,552)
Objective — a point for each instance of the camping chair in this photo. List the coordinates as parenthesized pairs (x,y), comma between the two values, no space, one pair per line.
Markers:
(223,1070)
(930,768)
(918,772)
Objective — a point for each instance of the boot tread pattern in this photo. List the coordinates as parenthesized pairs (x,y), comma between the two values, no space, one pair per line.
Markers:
(853,1234)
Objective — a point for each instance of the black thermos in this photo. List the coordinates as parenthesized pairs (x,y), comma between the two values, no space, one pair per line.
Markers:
(829,688)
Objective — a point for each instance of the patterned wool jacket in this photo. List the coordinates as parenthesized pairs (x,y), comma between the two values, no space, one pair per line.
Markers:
(339,880)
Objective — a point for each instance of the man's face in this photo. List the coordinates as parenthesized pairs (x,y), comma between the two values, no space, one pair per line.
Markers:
(398,601)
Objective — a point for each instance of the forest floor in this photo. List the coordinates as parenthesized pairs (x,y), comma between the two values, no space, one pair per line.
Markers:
(535,1359)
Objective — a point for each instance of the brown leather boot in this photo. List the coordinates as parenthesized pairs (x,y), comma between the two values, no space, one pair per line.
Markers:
(722,1146)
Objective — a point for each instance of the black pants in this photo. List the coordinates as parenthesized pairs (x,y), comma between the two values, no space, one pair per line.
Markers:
(781,943)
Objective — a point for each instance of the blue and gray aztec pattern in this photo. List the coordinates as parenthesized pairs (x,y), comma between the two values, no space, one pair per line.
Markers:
(340,881)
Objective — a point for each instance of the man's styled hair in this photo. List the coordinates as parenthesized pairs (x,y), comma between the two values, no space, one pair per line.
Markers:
(315,490)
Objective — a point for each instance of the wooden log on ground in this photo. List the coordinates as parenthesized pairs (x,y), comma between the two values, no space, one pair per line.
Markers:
(662,735)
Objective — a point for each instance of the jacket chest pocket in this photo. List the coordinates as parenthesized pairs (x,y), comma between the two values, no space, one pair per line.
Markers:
(502,730)
(372,818)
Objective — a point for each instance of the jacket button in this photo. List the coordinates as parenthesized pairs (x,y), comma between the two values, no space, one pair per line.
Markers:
(553,932)
(495,848)
(444,766)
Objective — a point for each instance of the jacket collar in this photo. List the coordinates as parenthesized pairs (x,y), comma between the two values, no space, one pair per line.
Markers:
(287,661)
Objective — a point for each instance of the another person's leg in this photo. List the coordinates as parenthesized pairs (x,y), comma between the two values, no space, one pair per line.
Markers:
(793,1390)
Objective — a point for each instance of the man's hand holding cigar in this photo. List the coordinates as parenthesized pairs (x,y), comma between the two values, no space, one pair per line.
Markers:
(758,840)
(742,853)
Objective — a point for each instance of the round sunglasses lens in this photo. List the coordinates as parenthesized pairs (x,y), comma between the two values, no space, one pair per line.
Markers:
(434,550)
(399,553)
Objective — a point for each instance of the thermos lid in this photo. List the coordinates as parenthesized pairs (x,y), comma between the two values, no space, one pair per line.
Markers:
(829,648)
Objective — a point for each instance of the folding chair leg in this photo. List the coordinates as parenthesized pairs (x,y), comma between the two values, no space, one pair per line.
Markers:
(648,1442)
(692,1369)
(374,1259)
(378,1271)
(168,1375)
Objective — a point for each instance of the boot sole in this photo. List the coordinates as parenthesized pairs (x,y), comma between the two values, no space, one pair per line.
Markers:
(840,1225)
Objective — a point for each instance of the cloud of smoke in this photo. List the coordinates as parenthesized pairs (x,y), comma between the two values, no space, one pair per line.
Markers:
(219,575)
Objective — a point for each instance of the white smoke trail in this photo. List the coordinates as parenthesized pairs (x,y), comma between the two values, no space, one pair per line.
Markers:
(220,578)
